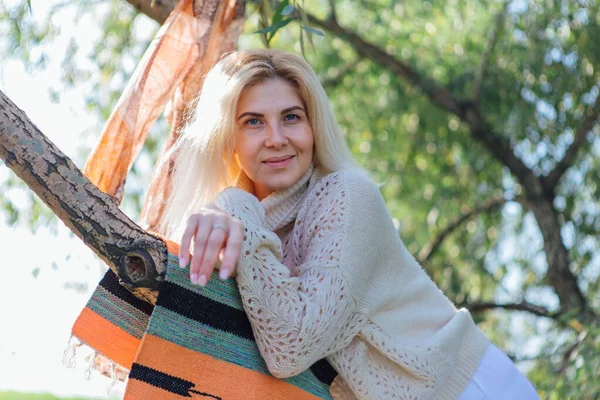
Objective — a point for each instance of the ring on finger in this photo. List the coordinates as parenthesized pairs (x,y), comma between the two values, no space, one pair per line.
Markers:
(220,226)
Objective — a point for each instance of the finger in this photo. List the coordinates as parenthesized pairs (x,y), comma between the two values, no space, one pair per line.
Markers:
(200,239)
(186,240)
(216,241)
(233,249)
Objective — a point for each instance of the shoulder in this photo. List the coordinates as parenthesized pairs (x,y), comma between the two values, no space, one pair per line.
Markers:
(344,189)
(354,182)
(354,187)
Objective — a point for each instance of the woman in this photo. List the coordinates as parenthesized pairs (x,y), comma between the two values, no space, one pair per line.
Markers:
(267,185)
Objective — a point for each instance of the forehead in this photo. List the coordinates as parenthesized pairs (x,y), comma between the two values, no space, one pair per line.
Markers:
(270,95)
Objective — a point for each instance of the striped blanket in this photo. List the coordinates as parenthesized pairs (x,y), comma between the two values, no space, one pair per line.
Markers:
(195,342)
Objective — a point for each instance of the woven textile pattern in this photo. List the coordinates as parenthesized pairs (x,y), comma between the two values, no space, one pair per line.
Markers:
(196,342)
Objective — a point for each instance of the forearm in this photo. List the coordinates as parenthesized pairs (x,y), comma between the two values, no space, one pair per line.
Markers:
(297,317)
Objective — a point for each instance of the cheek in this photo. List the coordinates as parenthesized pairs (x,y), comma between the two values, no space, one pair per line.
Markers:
(245,151)
(242,158)
(309,142)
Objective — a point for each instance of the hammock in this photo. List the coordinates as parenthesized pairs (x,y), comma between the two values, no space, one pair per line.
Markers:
(194,342)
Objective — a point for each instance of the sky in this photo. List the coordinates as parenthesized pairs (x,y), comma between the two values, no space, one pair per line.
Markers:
(37,313)
(37,305)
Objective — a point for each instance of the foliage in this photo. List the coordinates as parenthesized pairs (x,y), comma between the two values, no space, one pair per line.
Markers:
(540,77)
(578,364)
(273,16)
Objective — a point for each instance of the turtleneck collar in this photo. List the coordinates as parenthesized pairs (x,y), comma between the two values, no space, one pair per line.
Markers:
(281,206)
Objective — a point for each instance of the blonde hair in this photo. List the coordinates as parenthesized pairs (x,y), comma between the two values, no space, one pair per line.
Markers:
(205,162)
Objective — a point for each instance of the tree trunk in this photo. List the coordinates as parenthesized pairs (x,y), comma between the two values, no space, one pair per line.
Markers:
(539,201)
(559,276)
(138,258)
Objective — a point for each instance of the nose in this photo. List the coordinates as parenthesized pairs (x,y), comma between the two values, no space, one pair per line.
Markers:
(275,136)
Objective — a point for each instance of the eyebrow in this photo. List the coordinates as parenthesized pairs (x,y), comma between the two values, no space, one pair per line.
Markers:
(284,111)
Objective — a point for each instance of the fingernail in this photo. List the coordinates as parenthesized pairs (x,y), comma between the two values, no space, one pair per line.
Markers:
(202,280)
(194,277)
(223,273)
(182,263)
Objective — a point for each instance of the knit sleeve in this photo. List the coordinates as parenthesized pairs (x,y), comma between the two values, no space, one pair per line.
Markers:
(302,317)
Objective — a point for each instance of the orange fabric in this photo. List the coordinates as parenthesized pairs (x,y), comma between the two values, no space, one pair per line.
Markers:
(215,377)
(163,65)
(172,247)
(221,38)
(106,338)
(137,390)
(187,45)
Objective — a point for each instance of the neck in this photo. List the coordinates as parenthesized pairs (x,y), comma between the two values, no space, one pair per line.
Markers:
(281,206)
(262,192)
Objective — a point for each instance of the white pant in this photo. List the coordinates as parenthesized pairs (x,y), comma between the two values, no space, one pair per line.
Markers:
(497,378)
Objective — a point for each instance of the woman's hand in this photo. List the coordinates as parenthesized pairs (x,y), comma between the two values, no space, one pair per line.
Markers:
(216,235)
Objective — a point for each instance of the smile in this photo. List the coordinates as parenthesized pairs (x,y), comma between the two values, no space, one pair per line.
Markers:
(278,162)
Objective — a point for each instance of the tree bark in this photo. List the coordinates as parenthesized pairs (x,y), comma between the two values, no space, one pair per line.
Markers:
(158,10)
(560,277)
(522,306)
(539,199)
(138,258)
(579,140)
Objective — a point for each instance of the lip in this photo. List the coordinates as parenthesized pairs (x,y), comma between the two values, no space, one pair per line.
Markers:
(278,162)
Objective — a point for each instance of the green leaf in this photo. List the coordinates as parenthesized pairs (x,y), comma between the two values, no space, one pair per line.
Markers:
(275,27)
(278,14)
(288,9)
(312,30)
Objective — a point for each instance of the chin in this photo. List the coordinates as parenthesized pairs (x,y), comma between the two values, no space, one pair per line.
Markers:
(283,182)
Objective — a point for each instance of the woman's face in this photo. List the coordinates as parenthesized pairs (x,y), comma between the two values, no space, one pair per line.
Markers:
(274,137)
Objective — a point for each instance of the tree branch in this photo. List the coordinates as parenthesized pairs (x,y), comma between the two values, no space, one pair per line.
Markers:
(337,79)
(559,276)
(551,180)
(493,39)
(138,258)
(519,359)
(540,311)
(497,145)
(439,94)
(566,356)
(158,10)
(332,13)
(429,249)
(501,149)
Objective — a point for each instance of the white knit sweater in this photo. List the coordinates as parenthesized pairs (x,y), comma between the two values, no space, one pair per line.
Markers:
(323,273)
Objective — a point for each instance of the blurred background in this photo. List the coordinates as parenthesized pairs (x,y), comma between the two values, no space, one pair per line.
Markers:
(480,119)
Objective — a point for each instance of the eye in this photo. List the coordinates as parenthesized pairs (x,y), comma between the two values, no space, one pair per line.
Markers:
(252,122)
(291,117)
